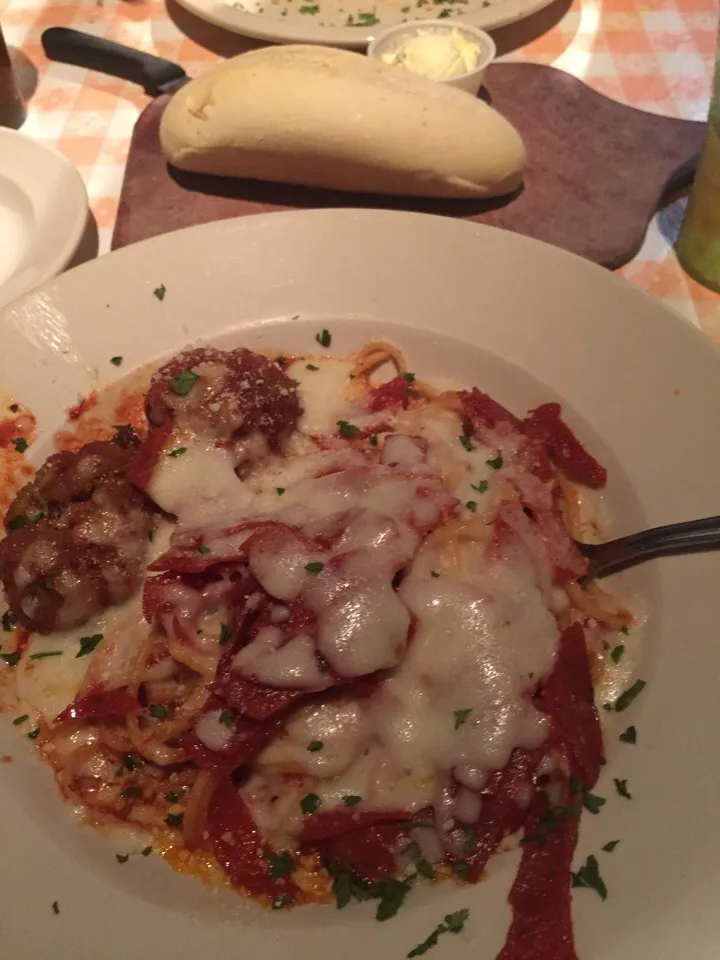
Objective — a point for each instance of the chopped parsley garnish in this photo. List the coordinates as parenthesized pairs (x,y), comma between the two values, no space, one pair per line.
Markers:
(422,866)
(481,487)
(625,699)
(226,718)
(467,443)
(351,800)
(122,857)
(158,711)
(392,896)
(280,361)
(496,463)
(310,803)
(225,632)
(311,366)
(471,506)
(453,923)
(362,20)
(203,548)
(18,720)
(55,907)
(160,291)
(175,796)
(461,717)
(280,902)
(9,621)
(434,573)
(314,566)
(617,653)
(175,819)
(624,630)
(146,851)
(177,452)
(280,866)
(346,429)
(609,847)
(314,746)
(408,377)
(279,491)
(88,644)
(18,522)
(34,734)
(592,802)
(311,8)
(589,876)
(621,787)
(373,438)
(45,653)
(11,659)
(20,444)
(629,736)
(125,435)
(116,361)
(461,870)
(324,338)
(182,384)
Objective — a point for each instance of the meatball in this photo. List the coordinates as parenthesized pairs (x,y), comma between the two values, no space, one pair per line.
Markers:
(77,538)
(237,397)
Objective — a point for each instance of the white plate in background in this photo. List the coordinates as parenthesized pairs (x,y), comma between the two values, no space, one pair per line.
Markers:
(43,213)
(350,23)
(526,322)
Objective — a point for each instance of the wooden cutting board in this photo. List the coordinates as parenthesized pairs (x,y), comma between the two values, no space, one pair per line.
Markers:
(597,172)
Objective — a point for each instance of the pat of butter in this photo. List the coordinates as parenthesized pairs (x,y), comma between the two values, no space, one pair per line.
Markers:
(435,54)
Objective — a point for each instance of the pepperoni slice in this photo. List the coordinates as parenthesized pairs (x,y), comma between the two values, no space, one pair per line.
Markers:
(544,423)
(240,850)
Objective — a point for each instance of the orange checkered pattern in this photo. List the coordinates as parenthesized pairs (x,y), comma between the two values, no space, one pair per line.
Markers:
(656,55)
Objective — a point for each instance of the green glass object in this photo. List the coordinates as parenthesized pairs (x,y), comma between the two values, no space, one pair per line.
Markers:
(698,246)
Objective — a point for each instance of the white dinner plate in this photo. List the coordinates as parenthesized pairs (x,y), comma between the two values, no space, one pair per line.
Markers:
(349,23)
(526,322)
(43,212)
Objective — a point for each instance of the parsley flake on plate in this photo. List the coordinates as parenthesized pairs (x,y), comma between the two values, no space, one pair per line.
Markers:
(467,443)
(453,923)
(351,800)
(20,444)
(496,463)
(629,736)
(174,819)
(625,699)
(158,711)
(589,876)
(314,746)
(8,621)
(177,452)
(315,566)
(160,291)
(45,653)
(609,847)
(324,338)
(116,361)
(346,429)
(621,787)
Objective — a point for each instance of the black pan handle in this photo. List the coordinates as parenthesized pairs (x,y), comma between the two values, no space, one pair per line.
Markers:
(153,74)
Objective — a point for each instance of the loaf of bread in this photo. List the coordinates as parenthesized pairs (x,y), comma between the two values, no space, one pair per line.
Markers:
(330,118)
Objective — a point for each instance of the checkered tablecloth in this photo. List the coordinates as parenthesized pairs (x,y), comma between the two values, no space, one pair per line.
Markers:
(653,54)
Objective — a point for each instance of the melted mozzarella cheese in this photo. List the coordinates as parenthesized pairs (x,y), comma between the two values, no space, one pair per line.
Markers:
(458,700)
(50,684)
(338,732)
(322,393)
(212,732)
(198,486)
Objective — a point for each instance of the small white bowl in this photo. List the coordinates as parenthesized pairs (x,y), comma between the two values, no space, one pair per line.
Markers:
(389,41)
